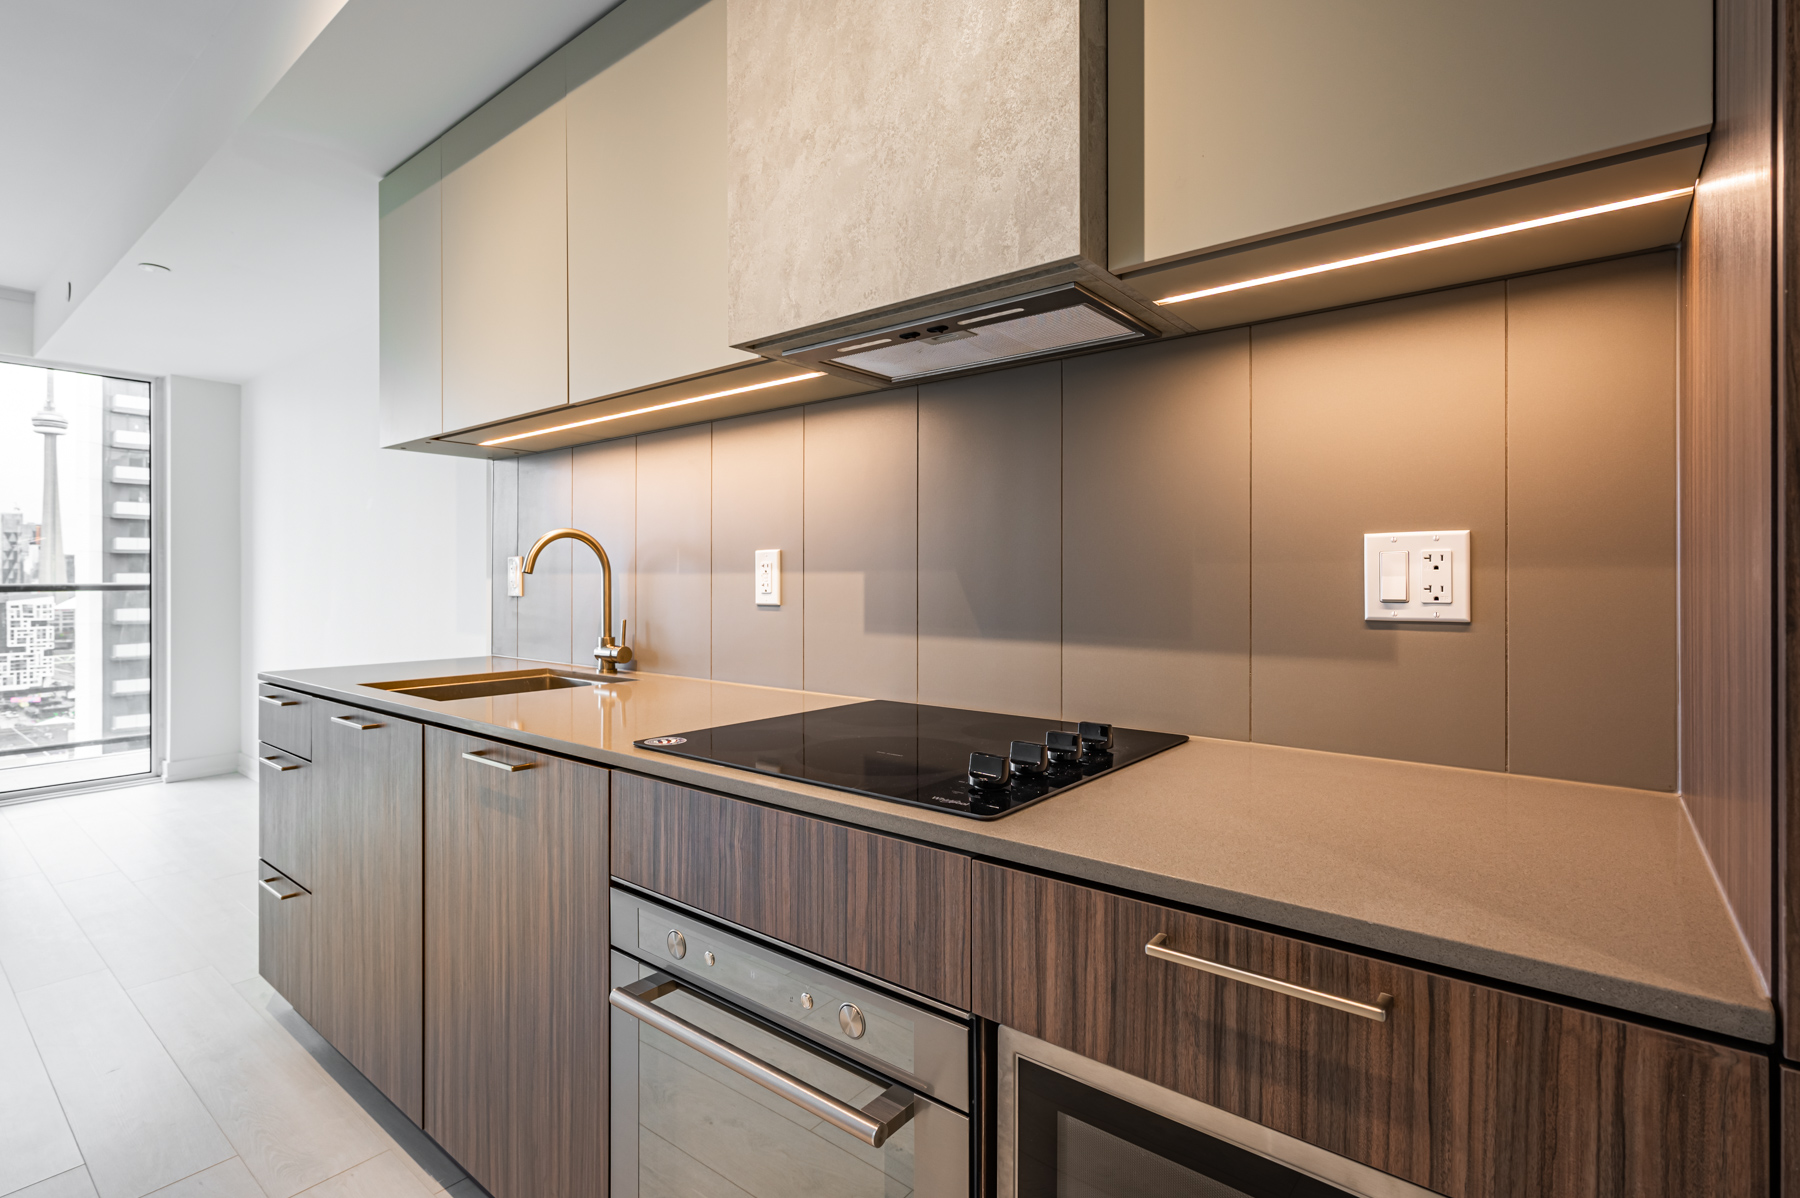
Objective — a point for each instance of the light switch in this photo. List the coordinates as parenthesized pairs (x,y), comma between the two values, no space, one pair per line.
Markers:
(1416,576)
(1393,575)
(768,578)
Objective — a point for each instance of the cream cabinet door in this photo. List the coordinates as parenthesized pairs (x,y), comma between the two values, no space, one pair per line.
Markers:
(412,341)
(505,264)
(647,198)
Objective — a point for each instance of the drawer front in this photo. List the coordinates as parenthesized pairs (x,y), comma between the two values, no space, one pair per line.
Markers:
(286,828)
(284,941)
(1466,1090)
(890,908)
(284,719)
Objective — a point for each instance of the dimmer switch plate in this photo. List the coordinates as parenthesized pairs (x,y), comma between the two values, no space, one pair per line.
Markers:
(768,578)
(1422,576)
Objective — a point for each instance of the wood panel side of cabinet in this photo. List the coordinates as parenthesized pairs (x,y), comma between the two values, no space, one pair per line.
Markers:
(368,901)
(1790,1132)
(1466,1090)
(891,908)
(516,967)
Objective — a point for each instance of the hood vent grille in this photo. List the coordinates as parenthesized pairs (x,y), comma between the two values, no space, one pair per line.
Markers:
(1010,330)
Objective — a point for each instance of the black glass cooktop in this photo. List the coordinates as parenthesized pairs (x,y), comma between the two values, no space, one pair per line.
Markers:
(909,753)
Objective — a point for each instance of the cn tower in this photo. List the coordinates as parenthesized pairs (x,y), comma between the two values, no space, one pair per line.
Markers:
(52,567)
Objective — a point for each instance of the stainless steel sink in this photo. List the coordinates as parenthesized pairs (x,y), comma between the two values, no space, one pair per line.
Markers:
(480,686)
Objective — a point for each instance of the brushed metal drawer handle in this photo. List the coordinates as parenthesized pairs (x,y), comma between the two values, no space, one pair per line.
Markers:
(510,768)
(350,721)
(277,701)
(280,892)
(1378,1010)
(274,763)
(873,1124)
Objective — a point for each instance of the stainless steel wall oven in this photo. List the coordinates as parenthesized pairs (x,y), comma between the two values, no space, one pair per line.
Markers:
(1069,1127)
(739,1069)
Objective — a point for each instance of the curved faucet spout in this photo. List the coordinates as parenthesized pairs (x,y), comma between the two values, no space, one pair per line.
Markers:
(611,654)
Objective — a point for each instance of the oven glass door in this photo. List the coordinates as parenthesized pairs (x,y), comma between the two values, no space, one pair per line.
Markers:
(1078,1142)
(686,1125)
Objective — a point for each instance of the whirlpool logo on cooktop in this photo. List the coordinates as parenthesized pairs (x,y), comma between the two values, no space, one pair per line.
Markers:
(662,741)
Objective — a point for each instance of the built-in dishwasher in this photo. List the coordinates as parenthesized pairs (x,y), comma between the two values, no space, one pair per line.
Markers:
(739,1069)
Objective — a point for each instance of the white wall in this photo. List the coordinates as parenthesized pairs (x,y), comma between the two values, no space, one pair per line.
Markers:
(15,322)
(351,553)
(199,680)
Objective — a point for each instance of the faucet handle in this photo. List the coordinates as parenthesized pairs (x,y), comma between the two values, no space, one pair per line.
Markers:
(614,654)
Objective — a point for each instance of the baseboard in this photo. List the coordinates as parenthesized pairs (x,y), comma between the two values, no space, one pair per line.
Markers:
(246,765)
(188,768)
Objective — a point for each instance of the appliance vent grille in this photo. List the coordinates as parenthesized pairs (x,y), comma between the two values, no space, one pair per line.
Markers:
(985,344)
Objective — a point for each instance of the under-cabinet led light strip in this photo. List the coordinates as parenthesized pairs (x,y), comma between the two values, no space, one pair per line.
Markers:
(655,407)
(1401,252)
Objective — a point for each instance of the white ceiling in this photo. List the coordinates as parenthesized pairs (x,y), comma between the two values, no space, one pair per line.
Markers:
(238,142)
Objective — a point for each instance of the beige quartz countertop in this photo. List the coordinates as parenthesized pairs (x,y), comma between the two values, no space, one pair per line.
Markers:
(1593,892)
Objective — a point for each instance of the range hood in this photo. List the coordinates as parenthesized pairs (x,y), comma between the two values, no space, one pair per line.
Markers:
(1053,322)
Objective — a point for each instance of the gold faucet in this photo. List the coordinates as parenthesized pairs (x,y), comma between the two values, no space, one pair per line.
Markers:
(611,654)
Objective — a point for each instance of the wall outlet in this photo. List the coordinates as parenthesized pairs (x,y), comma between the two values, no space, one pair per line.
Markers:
(1422,576)
(768,578)
(515,576)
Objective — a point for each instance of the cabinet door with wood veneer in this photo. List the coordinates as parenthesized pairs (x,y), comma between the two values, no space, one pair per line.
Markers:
(888,907)
(1466,1090)
(516,966)
(368,896)
(287,827)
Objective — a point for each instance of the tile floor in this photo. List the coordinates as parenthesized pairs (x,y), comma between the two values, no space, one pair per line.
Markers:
(140,1053)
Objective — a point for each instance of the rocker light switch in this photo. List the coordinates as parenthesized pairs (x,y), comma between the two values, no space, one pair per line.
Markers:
(1420,576)
(1393,575)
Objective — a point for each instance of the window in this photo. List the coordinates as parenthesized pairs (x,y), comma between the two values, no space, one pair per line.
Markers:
(75,538)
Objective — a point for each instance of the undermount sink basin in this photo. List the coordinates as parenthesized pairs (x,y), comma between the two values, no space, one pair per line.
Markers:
(481,686)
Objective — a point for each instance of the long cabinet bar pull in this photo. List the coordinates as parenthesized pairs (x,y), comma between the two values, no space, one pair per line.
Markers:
(508,766)
(274,763)
(1378,1010)
(280,892)
(884,1115)
(277,701)
(350,721)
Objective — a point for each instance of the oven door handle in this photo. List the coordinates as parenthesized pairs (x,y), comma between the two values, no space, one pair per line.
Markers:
(873,1124)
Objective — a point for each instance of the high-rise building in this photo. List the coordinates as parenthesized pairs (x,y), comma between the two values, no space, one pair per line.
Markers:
(51,424)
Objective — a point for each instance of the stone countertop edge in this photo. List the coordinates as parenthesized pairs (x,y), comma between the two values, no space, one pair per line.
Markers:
(1753,1023)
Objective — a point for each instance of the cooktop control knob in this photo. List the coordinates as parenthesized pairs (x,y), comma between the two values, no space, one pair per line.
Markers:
(1096,739)
(1028,758)
(1064,747)
(989,771)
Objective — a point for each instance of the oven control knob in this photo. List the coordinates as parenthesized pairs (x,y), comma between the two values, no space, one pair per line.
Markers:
(677,945)
(806,1001)
(989,771)
(1063,747)
(1027,758)
(1096,739)
(850,1018)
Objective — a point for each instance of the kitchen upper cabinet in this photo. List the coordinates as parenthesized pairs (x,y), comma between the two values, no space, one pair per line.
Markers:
(1232,122)
(505,254)
(880,160)
(368,896)
(412,335)
(646,119)
(516,966)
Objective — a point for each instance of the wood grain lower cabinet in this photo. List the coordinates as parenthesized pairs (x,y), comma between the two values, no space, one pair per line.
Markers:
(888,907)
(368,896)
(284,942)
(1790,1132)
(284,719)
(516,966)
(287,825)
(1469,1091)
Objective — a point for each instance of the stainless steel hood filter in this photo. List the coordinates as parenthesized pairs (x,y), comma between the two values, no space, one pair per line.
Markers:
(1057,321)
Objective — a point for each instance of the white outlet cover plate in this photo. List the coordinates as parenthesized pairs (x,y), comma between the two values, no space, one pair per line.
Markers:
(766,580)
(1414,608)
